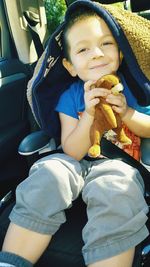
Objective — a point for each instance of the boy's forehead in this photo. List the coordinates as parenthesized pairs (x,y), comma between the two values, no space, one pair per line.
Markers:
(84,26)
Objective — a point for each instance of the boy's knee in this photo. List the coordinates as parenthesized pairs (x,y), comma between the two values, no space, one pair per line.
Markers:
(51,180)
(120,189)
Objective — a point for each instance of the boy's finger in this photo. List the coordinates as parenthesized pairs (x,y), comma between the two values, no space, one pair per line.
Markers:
(104,91)
(94,101)
(88,84)
(117,109)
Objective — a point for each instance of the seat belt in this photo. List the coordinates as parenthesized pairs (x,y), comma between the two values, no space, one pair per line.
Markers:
(34,33)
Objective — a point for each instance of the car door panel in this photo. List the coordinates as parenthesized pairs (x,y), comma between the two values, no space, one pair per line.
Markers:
(14,123)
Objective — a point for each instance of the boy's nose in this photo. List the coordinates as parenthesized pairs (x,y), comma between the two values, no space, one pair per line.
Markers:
(97,52)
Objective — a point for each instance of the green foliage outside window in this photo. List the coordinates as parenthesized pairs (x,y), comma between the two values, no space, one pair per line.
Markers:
(55,10)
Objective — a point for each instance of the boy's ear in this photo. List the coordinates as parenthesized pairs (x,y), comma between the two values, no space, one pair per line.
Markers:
(69,67)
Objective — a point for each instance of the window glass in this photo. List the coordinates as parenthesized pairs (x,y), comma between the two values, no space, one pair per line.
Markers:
(55,10)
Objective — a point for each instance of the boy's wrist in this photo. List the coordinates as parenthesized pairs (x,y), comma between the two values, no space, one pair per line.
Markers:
(90,114)
(125,115)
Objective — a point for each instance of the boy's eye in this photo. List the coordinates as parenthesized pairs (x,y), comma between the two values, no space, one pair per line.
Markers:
(107,43)
(82,50)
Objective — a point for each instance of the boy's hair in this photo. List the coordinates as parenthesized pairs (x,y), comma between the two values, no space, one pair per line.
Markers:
(78,15)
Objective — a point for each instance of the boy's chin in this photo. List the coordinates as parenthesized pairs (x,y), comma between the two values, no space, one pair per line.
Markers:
(100,75)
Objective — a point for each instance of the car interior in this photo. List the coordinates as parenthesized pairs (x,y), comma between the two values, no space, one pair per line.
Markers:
(24,34)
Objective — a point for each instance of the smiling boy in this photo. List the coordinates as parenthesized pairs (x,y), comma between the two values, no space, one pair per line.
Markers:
(90,53)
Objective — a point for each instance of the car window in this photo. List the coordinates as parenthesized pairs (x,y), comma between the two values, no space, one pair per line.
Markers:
(55,10)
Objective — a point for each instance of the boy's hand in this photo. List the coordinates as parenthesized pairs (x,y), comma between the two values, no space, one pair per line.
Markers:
(118,103)
(91,96)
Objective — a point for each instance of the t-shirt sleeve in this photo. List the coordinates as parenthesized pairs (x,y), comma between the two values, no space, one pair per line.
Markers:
(67,105)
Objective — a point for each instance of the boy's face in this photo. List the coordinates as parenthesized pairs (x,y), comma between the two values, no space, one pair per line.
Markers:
(92,48)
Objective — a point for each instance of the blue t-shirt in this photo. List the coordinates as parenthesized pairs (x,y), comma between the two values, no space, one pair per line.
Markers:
(72,104)
(71,101)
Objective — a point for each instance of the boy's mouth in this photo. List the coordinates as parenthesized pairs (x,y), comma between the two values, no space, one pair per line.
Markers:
(98,66)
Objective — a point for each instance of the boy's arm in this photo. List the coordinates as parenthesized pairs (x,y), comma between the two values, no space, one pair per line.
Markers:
(137,122)
(75,138)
